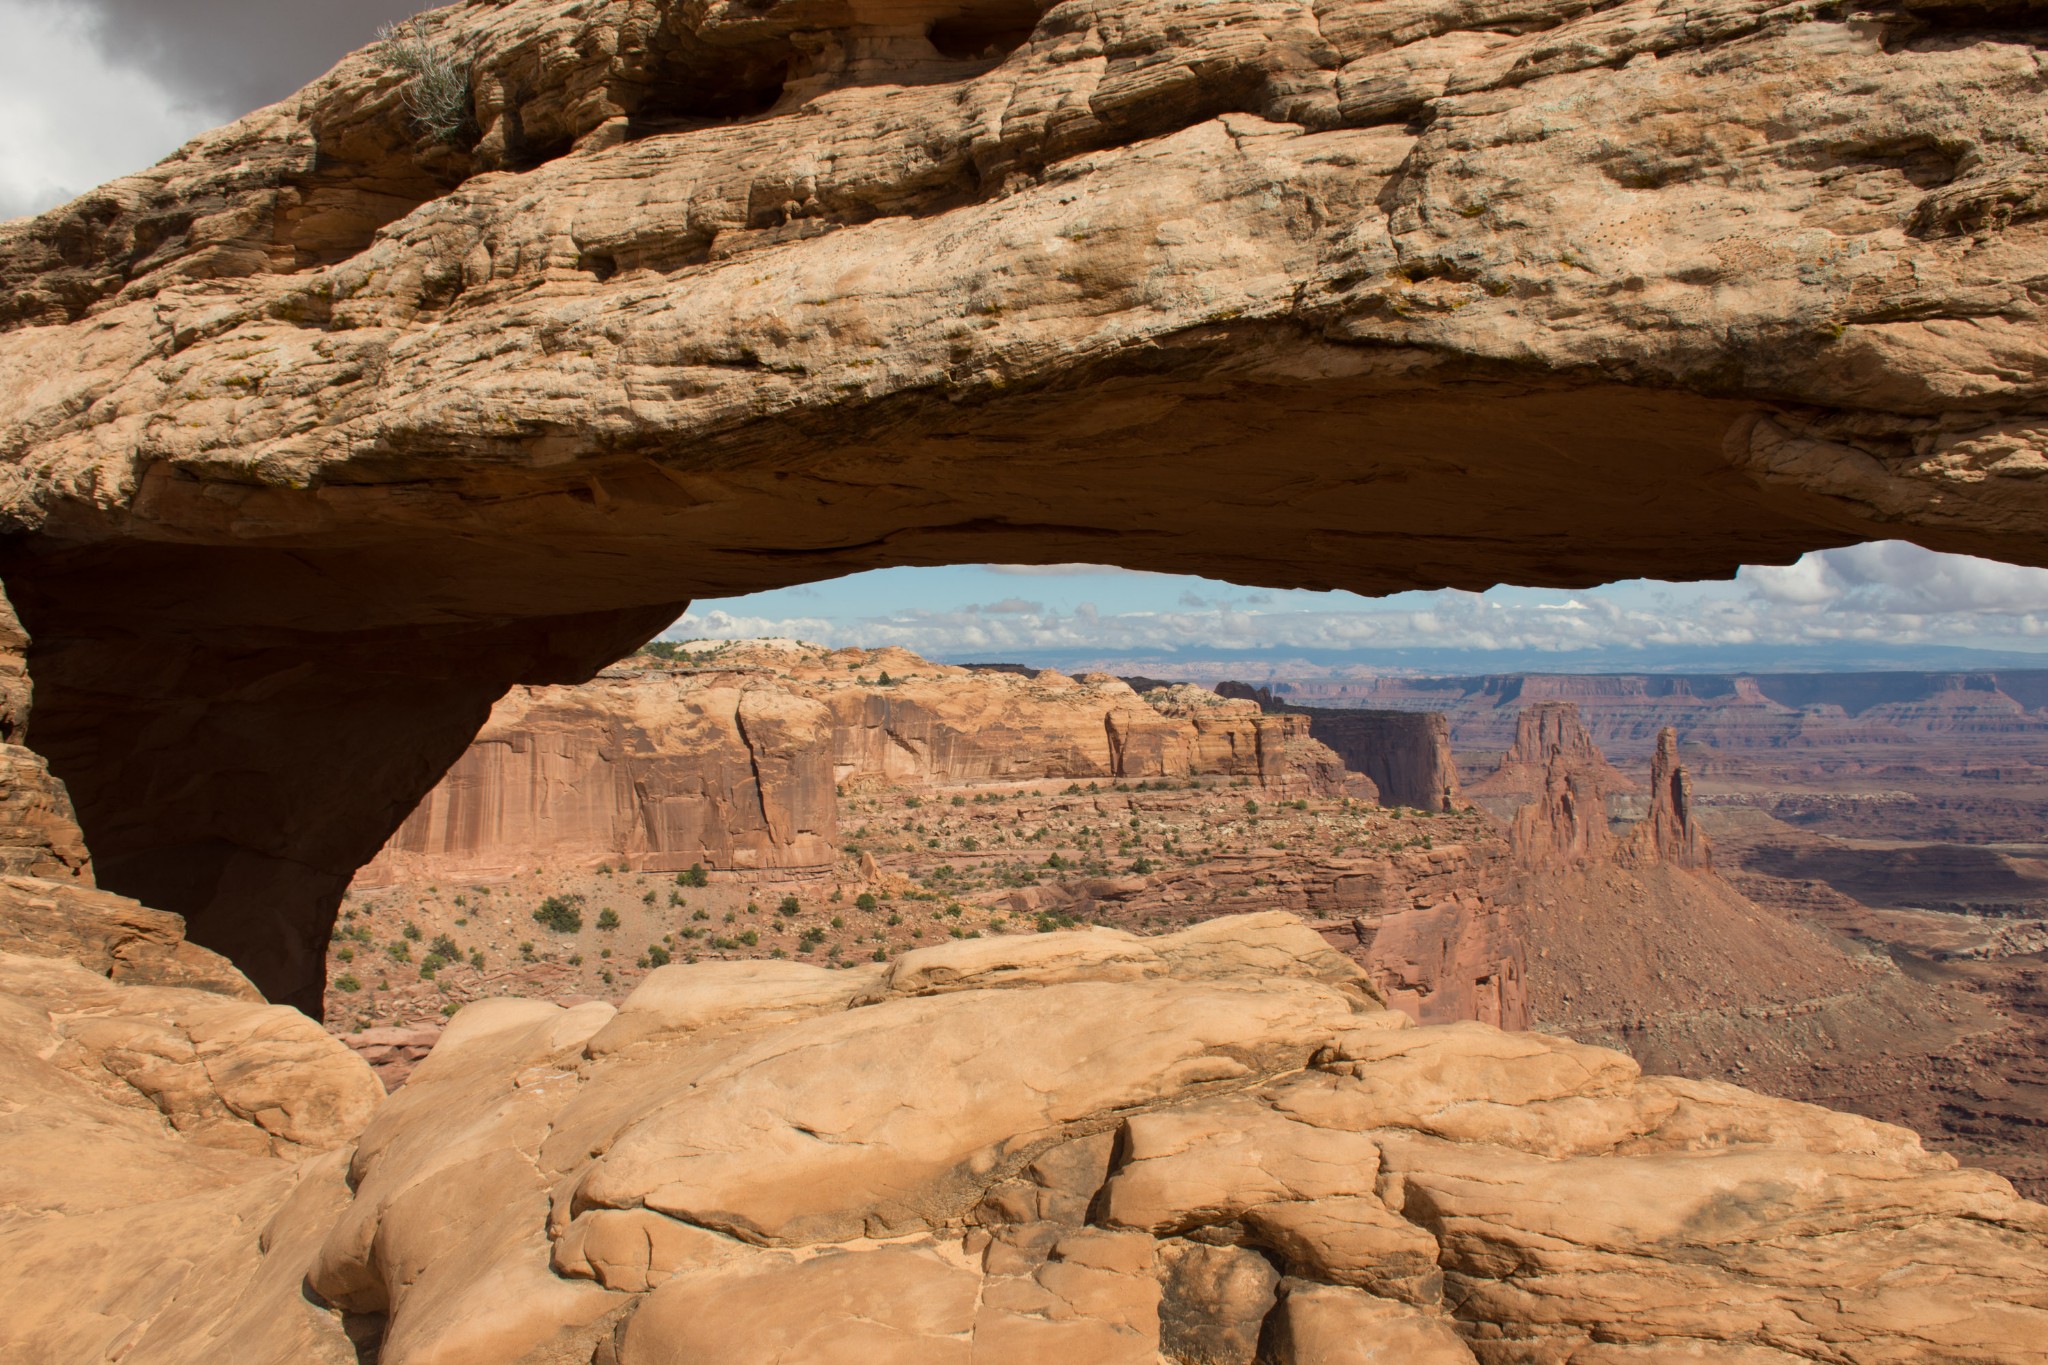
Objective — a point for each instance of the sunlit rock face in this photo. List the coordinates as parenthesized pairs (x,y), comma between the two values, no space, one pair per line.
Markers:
(320,435)
(1212,1145)
(736,766)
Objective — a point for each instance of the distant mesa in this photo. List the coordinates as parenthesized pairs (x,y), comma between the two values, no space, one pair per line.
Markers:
(730,756)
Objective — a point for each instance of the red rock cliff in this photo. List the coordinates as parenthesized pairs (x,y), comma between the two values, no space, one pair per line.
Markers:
(652,770)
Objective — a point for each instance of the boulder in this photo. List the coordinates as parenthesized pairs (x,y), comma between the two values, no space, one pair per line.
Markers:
(1225,1156)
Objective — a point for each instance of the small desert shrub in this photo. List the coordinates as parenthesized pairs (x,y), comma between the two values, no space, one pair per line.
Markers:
(866,900)
(790,907)
(562,914)
(657,956)
(430,964)
(445,948)
(696,876)
(607,918)
(439,86)
(347,984)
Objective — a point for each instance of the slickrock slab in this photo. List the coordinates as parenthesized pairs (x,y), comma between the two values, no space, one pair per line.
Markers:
(1199,1153)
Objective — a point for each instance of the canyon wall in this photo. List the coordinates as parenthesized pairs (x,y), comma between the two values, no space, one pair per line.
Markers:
(736,767)
(647,770)
(1730,713)
(1406,754)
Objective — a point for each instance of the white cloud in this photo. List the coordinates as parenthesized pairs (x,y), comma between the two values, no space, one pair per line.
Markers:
(1805,583)
(1889,593)
(1895,576)
(69,118)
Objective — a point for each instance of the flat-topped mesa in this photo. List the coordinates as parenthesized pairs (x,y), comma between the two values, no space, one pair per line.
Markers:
(1668,834)
(346,429)
(734,766)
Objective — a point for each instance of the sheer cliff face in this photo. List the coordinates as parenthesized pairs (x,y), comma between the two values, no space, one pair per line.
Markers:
(346,431)
(652,773)
(1407,754)
(739,770)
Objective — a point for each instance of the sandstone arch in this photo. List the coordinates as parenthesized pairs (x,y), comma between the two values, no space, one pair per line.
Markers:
(318,438)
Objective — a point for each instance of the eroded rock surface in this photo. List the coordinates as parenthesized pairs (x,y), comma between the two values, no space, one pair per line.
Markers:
(347,432)
(1211,1145)
(736,765)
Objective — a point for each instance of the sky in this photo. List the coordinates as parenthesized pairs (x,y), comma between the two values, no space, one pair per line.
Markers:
(93,89)
(1890,604)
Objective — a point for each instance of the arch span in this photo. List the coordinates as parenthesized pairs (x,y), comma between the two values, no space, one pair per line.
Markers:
(319,436)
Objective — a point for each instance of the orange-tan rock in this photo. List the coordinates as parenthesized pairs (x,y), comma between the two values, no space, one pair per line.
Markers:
(1206,1145)
(348,429)
(735,767)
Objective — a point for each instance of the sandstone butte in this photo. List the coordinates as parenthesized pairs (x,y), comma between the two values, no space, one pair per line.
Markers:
(735,766)
(319,435)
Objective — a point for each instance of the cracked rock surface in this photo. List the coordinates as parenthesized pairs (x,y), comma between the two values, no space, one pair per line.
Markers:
(1214,1145)
(347,430)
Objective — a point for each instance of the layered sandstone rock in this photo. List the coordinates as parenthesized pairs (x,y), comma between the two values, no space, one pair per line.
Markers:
(1236,738)
(346,431)
(746,1159)
(1546,734)
(1668,834)
(1563,782)
(651,770)
(735,767)
(1406,754)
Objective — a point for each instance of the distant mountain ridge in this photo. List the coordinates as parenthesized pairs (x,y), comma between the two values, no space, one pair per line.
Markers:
(1727,711)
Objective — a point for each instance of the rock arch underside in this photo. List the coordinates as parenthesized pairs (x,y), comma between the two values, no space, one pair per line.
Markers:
(318,436)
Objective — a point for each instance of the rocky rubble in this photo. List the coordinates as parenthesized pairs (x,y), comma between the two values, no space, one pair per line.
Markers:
(1210,1146)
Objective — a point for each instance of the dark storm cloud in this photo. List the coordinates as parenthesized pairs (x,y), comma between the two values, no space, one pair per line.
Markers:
(230,56)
